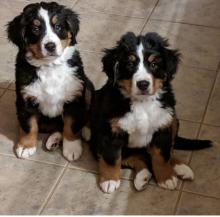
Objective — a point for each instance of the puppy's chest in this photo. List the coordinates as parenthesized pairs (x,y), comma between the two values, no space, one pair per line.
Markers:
(144,119)
(55,85)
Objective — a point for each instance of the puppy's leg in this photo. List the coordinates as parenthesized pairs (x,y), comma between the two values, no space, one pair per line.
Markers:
(109,177)
(182,170)
(72,144)
(28,139)
(142,174)
(163,170)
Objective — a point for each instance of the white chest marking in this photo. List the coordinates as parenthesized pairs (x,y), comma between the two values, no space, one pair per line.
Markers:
(145,118)
(56,85)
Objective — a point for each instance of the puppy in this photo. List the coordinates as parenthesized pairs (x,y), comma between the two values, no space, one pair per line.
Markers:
(134,120)
(52,92)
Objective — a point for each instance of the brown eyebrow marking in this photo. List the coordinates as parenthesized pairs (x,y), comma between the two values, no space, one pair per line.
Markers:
(54,19)
(151,58)
(36,22)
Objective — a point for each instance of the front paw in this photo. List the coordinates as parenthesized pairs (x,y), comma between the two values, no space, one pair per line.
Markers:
(72,150)
(183,171)
(24,152)
(141,179)
(109,186)
(170,184)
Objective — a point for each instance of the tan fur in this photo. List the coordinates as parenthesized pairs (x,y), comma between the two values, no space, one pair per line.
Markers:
(35,49)
(67,130)
(125,85)
(157,84)
(54,19)
(66,42)
(162,169)
(114,125)
(109,172)
(151,58)
(135,162)
(29,140)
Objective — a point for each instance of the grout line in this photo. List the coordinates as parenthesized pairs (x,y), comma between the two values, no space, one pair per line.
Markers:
(197,135)
(190,24)
(202,195)
(148,17)
(33,160)
(51,192)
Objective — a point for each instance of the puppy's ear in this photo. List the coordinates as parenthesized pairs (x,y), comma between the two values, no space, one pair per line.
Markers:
(172,59)
(72,21)
(111,64)
(15,31)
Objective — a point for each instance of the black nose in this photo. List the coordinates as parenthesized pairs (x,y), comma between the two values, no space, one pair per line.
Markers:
(143,85)
(50,46)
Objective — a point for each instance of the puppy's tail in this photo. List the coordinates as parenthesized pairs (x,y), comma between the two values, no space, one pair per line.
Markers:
(191,144)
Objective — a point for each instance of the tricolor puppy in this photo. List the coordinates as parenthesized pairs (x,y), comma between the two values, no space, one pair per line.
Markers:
(134,120)
(53,93)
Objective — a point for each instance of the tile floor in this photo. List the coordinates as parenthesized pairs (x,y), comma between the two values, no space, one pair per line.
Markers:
(47,184)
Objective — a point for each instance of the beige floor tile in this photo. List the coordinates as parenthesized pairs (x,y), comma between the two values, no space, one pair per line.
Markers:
(4,84)
(24,185)
(205,164)
(213,114)
(138,8)
(200,12)
(99,31)
(191,204)
(67,3)
(192,88)
(11,86)
(200,46)
(9,132)
(93,68)
(2,92)
(85,197)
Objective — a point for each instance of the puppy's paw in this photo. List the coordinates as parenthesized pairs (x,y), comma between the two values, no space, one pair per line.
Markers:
(170,184)
(183,171)
(23,152)
(141,179)
(53,141)
(109,186)
(72,150)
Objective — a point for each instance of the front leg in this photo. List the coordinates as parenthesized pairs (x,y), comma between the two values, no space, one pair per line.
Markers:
(27,144)
(72,144)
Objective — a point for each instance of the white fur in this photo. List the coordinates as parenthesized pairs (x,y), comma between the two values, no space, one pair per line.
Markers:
(145,117)
(56,85)
(54,138)
(170,184)
(141,179)
(183,171)
(72,150)
(25,152)
(50,35)
(141,73)
(86,133)
(110,186)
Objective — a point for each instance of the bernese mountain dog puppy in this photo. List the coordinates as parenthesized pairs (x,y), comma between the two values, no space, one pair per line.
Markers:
(134,121)
(52,92)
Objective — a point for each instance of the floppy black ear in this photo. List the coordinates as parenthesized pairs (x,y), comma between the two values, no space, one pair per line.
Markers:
(15,31)
(111,64)
(73,23)
(172,59)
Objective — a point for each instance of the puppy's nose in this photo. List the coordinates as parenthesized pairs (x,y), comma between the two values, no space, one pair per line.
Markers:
(143,85)
(50,46)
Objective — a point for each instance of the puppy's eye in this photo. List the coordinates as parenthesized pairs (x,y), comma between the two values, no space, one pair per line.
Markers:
(132,58)
(58,27)
(35,29)
(153,65)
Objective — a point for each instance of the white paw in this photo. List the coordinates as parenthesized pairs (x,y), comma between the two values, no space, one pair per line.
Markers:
(184,171)
(170,184)
(141,179)
(53,141)
(110,186)
(25,152)
(86,134)
(72,150)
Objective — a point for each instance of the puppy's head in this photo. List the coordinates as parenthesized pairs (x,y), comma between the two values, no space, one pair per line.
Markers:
(140,65)
(44,29)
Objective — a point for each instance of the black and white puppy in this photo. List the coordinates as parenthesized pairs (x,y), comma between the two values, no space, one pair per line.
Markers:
(53,93)
(134,120)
